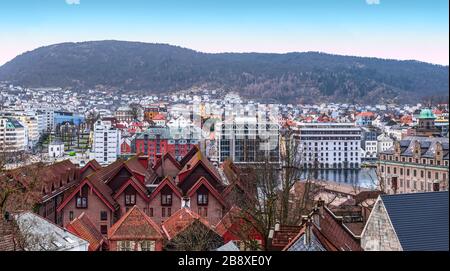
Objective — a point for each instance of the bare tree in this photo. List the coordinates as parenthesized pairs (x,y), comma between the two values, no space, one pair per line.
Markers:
(196,237)
(91,117)
(135,111)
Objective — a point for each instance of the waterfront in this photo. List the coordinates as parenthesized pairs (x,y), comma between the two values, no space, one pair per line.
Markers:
(364,177)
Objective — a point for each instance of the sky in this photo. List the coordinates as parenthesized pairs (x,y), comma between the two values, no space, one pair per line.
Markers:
(395,29)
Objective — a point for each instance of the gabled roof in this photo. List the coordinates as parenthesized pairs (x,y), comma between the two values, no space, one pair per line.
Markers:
(167,181)
(85,229)
(193,151)
(420,220)
(135,225)
(233,221)
(318,241)
(92,164)
(102,191)
(202,181)
(137,185)
(283,236)
(181,220)
(166,156)
(135,166)
(196,161)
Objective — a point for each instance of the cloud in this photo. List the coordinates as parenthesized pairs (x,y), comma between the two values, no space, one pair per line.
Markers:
(373,2)
(73,2)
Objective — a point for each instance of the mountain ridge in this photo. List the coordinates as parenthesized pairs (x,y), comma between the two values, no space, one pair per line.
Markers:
(163,68)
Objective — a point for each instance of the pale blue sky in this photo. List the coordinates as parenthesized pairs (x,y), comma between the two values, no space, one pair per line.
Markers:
(399,29)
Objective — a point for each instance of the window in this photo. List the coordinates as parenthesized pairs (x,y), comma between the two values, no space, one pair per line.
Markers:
(421,174)
(82,198)
(130,199)
(150,212)
(169,212)
(166,199)
(71,215)
(202,199)
(82,203)
(388,170)
(407,172)
(163,212)
(436,175)
(401,171)
(103,215)
(395,170)
(415,173)
(104,229)
(124,245)
(148,245)
(429,174)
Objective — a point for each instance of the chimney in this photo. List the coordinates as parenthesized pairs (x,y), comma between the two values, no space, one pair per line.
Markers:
(308,232)
(320,205)
(277,225)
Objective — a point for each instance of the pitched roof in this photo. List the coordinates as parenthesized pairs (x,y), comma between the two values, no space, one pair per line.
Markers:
(283,236)
(92,164)
(135,225)
(203,182)
(181,220)
(137,185)
(167,181)
(83,227)
(420,220)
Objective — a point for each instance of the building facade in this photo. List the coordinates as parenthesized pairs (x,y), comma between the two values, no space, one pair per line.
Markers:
(106,142)
(330,145)
(415,164)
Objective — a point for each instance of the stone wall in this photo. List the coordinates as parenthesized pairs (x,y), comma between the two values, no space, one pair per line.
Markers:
(379,235)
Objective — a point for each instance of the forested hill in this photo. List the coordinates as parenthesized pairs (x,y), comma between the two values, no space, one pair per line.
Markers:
(291,77)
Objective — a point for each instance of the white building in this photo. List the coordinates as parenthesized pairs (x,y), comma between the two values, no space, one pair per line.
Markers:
(56,149)
(385,142)
(330,145)
(106,142)
(12,135)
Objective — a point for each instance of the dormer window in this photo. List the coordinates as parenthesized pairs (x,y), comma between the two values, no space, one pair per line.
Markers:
(82,198)
(166,199)
(202,198)
(166,196)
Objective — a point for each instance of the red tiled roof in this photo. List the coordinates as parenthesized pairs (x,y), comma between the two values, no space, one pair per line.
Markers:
(233,221)
(135,225)
(365,114)
(85,229)
(193,151)
(169,156)
(92,164)
(285,235)
(181,220)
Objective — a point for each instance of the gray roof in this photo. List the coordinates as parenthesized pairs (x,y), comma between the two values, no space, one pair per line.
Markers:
(300,245)
(427,146)
(230,246)
(419,219)
(43,235)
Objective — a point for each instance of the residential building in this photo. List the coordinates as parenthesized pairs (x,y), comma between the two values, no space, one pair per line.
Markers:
(408,222)
(56,149)
(135,231)
(415,164)
(12,135)
(106,142)
(247,140)
(330,145)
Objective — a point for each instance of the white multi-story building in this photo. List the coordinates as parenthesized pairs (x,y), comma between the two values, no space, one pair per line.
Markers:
(12,135)
(330,145)
(106,142)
